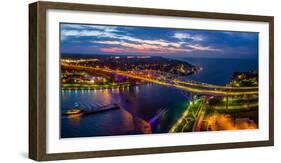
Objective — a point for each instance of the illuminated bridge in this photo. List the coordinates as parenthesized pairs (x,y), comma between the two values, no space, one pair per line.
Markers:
(190,86)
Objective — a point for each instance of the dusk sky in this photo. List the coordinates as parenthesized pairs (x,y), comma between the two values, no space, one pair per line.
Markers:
(151,41)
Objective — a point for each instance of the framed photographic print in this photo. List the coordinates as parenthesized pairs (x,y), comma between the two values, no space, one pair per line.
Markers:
(111,81)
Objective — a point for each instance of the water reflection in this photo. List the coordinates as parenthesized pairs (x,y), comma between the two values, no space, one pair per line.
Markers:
(74,119)
(138,106)
(106,95)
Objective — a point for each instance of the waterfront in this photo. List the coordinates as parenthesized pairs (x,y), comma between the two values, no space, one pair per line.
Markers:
(146,108)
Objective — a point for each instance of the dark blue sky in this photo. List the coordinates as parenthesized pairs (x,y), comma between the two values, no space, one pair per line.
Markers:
(169,42)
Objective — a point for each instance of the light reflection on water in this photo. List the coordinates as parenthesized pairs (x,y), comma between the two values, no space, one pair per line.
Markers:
(139,104)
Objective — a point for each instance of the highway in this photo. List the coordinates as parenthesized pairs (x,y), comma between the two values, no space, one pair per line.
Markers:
(244,106)
(194,87)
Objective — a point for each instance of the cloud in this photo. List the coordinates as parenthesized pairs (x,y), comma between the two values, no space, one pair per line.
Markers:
(77,30)
(182,36)
(141,41)
(89,27)
(203,48)
(163,43)
(144,47)
(110,33)
(130,45)
(114,39)
(81,33)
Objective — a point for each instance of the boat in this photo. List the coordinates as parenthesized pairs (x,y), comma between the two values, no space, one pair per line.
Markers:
(73,111)
(92,110)
(101,108)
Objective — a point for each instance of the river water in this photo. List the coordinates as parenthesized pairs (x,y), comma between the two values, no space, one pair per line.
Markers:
(148,108)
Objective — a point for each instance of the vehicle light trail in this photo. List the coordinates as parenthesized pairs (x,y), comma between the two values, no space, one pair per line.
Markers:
(201,89)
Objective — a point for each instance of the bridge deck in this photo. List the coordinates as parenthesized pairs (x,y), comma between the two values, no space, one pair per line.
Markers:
(201,88)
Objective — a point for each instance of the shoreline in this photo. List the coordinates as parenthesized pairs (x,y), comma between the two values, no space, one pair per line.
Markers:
(63,88)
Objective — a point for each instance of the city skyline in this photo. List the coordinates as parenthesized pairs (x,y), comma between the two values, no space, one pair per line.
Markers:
(153,41)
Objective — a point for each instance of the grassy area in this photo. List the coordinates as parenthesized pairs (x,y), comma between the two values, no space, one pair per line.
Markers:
(218,116)
(186,121)
(232,100)
(215,105)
